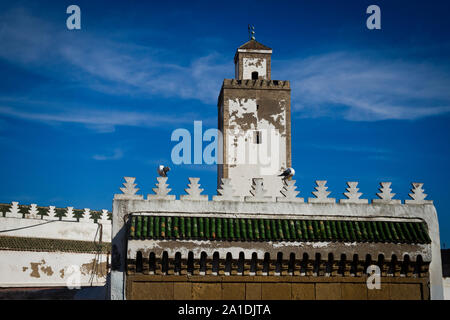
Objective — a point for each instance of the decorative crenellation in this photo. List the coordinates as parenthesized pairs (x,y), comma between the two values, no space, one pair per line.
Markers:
(104,218)
(258,192)
(226,192)
(161,191)
(129,190)
(260,84)
(418,196)
(301,265)
(52,213)
(352,194)
(14,210)
(194,191)
(288,193)
(321,193)
(385,195)
(70,216)
(86,215)
(33,212)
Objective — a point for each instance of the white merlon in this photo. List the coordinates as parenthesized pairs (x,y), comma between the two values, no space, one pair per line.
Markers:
(289,192)
(194,191)
(86,216)
(321,193)
(104,217)
(14,210)
(129,190)
(51,214)
(161,190)
(70,216)
(418,196)
(258,193)
(353,196)
(386,195)
(32,212)
(226,192)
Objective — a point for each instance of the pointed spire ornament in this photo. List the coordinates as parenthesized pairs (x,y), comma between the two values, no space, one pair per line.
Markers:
(418,196)
(258,193)
(321,193)
(385,195)
(289,193)
(161,191)
(353,195)
(226,192)
(251,32)
(194,191)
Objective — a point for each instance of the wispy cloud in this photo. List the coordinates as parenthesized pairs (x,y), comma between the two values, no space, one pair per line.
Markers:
(353,85)
(117,154)
(366,87)
(111,66)
(101,120)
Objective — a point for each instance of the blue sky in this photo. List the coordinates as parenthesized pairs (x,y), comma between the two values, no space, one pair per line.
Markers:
(81,109)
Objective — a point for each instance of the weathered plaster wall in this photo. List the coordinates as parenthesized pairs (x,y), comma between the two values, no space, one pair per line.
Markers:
(55,229)
(254,64)
(244,111)
(248,248)
(126,204)
(246,61)
(43,269)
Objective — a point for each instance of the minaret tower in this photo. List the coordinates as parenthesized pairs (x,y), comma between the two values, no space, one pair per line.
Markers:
(255,120)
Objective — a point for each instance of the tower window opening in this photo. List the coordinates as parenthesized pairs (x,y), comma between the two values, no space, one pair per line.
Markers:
(254,75)
(257,137)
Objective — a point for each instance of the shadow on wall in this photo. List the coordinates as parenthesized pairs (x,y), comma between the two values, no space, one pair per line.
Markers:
(59,293)
(86,293)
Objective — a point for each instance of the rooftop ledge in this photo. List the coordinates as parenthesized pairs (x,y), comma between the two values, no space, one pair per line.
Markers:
(287,204)
(257,84)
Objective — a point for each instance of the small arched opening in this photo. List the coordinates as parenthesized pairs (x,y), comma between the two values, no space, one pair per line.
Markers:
(215,263)
(253,263)
(203,262)
(228,260)
(240,266)
(190,263)
(152,263)
(165,262)
(266,262)
(177,263)
(139,261)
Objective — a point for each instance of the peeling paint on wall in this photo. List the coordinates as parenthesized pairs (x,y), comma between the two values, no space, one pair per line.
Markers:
(254,65)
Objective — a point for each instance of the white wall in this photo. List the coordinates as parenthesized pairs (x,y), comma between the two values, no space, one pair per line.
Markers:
(54,229)
(250,160)
(446,284)
(43,269)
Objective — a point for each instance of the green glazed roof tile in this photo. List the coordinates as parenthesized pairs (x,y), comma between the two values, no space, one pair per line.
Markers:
(239,229)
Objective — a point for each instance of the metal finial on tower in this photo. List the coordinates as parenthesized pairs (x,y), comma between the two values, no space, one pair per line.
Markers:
(251,32)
